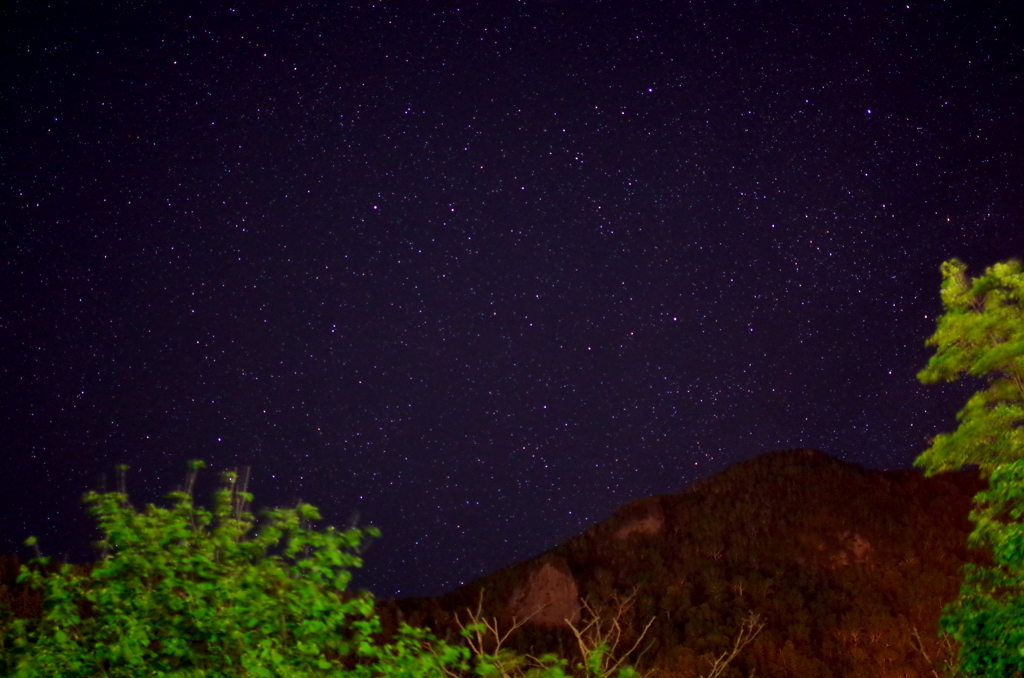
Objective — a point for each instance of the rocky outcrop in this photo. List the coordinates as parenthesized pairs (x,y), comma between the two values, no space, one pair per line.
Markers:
(643,517)
(549,598)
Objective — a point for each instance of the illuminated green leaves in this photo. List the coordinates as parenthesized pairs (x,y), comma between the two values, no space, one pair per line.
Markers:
(188,592)
(980,334)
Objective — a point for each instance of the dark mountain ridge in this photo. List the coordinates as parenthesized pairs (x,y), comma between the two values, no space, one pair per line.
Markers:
(849,569)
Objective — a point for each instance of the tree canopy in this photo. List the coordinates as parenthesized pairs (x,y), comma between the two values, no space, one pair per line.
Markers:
(185,591)
(980,334)
(189,592)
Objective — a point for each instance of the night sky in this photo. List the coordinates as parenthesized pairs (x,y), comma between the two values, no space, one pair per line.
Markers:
(478,274)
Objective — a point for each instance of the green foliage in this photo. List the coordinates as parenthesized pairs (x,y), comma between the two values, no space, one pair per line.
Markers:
(189,593)
(988,617)
(185,591)
(980,334)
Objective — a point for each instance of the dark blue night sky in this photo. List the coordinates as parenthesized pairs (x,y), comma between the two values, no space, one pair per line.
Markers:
(479,273)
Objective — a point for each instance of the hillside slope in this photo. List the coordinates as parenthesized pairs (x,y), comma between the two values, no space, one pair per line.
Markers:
(842,564)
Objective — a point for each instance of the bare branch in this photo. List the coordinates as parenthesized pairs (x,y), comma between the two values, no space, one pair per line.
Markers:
(749,629)
(604,631)
(481,632)
(920,647)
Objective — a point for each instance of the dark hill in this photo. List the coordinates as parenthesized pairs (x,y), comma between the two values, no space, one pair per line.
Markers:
(842,563)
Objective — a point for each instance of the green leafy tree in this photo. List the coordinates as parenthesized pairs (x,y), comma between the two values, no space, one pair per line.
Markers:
(981,334)
(988,617)
(189,593)
(185,591)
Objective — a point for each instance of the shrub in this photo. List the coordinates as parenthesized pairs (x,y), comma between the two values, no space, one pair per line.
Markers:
(185,591)
(189,592)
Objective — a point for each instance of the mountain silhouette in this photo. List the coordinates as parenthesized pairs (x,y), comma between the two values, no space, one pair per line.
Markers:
(847,568)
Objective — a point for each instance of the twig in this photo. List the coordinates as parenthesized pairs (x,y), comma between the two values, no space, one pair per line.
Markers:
(750,627)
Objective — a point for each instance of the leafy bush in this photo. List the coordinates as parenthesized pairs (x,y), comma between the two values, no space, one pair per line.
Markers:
(185,591)
(189,592)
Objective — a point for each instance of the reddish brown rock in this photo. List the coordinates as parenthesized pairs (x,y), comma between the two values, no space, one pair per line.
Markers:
(549,598)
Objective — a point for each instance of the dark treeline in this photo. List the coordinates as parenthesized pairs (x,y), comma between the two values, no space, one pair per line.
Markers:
(848,568)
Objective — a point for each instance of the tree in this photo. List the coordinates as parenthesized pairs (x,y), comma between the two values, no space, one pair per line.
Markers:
(981,334)
(987,619)
(183,591)
(189,592)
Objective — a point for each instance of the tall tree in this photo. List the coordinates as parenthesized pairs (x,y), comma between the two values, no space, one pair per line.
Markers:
(981,335)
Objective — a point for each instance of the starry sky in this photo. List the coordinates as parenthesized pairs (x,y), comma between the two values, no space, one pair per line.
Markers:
(480,273)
